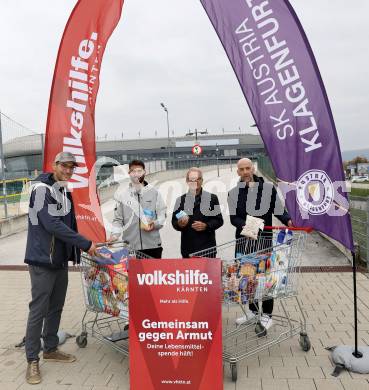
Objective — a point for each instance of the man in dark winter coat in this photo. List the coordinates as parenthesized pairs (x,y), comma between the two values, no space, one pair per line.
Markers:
(253,196)
(197,215)
(52,241)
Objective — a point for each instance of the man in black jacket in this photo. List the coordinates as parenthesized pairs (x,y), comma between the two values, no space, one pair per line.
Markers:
(253,196)
(197,215)
(52,241)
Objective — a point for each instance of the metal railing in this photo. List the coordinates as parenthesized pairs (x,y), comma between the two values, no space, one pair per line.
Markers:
(15,175)
(265,166)
(202,162)
(12,201)
(359,209)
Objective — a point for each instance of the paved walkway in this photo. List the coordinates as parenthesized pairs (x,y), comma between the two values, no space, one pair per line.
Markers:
(326,298)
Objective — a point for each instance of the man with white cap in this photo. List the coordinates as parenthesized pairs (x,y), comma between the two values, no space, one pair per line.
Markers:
(52,241)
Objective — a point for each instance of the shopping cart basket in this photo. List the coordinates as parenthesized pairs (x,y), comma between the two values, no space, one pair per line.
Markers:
(254,271)
(105,289)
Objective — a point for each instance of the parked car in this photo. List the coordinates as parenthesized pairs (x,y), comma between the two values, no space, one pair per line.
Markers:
(359,179)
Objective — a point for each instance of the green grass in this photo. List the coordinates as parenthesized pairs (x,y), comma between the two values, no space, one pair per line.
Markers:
(11,199)
(359,192)
(361,228)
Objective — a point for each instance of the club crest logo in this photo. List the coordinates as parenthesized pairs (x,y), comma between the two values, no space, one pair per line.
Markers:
(315,192)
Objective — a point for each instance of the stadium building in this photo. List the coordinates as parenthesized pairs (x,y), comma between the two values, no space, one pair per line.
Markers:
(23,155)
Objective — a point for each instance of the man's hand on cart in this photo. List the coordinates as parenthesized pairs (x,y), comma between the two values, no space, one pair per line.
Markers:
(183,222)
(199,226)
(290,223)
(93,250)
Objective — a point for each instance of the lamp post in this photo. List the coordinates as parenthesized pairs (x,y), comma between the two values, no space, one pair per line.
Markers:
(255,125)
(167,112)
(196,132)
(217,153)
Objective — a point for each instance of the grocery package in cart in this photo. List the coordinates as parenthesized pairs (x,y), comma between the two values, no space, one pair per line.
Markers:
(254,271)
(105,282)
(260,269)
(105,289)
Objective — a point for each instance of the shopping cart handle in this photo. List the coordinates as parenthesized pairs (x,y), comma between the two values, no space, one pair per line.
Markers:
(107,243)
(308,229)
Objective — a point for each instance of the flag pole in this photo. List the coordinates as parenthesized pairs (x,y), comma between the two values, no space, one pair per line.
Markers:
(356,353)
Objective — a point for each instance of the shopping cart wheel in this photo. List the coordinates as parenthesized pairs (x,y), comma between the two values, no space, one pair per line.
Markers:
(81,340)
(260,330)
(234,372)
(305,343)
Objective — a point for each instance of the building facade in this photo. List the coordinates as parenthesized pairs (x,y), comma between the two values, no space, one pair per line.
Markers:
(23,156)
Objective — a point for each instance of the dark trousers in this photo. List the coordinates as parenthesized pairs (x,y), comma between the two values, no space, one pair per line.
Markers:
(267,306)
(48,288)
(155,253)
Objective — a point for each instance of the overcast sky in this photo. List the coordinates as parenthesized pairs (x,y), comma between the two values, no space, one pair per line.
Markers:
(167,51)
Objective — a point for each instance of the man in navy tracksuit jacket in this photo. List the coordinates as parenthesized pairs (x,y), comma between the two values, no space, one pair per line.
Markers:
(52,241)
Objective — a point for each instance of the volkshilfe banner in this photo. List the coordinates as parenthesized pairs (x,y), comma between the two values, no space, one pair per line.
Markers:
(71,117)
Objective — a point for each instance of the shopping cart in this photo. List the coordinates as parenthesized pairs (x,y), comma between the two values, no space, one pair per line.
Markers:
(105,289)
(254,271)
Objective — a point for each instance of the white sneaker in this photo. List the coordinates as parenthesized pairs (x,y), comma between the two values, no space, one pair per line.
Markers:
(247,317)
(266,321)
